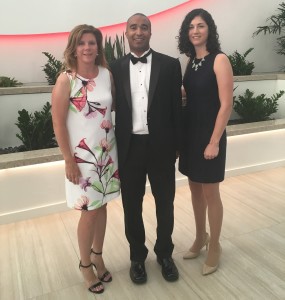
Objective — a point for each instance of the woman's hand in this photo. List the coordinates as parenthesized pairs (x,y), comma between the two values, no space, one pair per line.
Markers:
(72,171)
(211,151)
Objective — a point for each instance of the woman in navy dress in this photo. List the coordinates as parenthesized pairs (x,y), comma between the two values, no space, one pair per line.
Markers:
(208,85)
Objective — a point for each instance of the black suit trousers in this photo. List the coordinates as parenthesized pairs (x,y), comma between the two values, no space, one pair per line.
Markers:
(140,163)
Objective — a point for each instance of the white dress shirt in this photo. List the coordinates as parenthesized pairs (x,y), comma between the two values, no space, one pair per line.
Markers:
(139,80)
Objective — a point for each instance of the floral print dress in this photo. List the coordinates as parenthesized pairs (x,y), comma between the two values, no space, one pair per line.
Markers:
(92,142)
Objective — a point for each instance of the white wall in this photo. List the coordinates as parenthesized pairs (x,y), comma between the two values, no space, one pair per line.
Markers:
(255,152)
(21,57)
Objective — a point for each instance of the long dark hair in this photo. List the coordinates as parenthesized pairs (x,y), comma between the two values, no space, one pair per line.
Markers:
(185,46)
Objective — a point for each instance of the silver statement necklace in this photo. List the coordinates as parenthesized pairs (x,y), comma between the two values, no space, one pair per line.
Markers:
(195,65)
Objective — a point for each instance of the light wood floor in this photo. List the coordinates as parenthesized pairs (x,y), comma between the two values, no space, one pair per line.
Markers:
(39,257)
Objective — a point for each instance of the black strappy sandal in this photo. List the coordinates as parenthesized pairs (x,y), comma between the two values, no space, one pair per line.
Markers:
(106,274)
(95,285)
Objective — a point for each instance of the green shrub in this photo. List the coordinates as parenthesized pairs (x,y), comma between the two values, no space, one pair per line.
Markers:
(276,26)
(254,109)
(52,68)
(239,63)
(114,50)
(9,82)
(36,130)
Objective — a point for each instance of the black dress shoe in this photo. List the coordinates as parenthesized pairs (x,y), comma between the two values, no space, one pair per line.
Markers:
(137,272)
(168,269)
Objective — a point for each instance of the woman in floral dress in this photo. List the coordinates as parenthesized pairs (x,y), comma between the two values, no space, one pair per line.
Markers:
(81,111)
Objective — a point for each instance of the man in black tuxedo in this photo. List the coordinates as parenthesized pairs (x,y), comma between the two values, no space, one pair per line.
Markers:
(148,105)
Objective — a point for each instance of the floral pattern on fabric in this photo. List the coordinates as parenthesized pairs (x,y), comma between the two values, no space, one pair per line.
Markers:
(102,164)
(79,100)
(92,141)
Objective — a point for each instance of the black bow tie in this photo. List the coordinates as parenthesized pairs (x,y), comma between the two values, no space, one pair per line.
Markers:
(142,59)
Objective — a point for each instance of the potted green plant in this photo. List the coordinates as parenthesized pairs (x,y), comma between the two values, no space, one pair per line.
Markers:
(276,26)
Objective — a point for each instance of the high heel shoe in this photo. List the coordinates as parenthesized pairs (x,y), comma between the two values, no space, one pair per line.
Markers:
(104,277)
(189,254)
(93,287)
(209,269)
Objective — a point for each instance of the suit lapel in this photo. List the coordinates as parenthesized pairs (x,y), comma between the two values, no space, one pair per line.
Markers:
(155,69)
(126,79)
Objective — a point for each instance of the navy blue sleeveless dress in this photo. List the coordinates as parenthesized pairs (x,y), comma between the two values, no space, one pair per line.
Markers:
(199,118)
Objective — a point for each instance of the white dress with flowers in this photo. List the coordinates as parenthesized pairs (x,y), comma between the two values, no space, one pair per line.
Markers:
(92,142)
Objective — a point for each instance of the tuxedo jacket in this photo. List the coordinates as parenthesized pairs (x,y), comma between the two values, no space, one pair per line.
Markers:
(164,107)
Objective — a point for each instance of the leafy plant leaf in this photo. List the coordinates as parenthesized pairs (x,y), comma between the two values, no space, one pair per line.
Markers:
(36,130)
(52,68)
(254,109)
(9,82)
(239,63)
(114,50)
(276,26)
